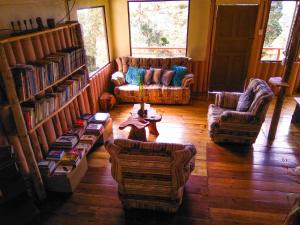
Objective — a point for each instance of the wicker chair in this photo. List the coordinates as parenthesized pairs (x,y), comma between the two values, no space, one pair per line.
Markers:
(225,124)
(150,175)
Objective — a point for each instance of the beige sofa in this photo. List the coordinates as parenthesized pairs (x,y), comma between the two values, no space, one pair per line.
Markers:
(153,93)
(151,175)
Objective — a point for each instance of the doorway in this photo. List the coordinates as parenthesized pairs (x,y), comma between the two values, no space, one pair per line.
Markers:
(232,40)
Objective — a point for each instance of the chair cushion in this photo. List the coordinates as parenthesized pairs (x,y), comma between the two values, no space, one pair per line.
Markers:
(135,75)
(245,101)
(148,76)
(180,71)
(166,77)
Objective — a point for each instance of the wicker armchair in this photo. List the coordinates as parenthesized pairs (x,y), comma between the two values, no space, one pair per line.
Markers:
(150,175)
(225,124)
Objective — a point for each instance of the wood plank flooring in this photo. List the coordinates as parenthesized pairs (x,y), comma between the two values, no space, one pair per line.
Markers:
(231,184)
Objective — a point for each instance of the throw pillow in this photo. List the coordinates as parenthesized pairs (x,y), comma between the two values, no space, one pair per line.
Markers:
(148,76)
(134,75)
(118,78)
(167,76)
(180,71)
(156,75)
(245,101)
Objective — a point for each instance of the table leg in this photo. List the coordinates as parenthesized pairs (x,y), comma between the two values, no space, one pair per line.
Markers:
(153,129)
(137,134)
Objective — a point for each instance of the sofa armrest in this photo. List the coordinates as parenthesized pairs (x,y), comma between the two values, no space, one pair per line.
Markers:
(227,100)
(118,78)
(114,152)
(187,80)
(239,117)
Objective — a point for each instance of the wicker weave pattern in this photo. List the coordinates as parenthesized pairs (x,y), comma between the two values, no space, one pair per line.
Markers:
(227,125)
(154,93)
(151,175)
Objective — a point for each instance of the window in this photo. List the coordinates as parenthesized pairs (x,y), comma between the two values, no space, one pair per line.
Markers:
(278,30)
(158,28)
(93,26)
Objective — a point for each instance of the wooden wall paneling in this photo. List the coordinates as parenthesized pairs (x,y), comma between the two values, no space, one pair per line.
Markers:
(18,52)
(86,101)
(91,99)
(76,108)
(68,37)
(62,39)
(265,70)
(45,44)
(36,146)
(9,54)
(57,42)
(57,125)
(42,140)
(72,112)
(81,104)
(297,83)
(51,42)
(68,117)
(49,131)
(38,47)
(96,85)
(93,95)
(28,50)
(19,121)
(22,162)
(63,122)
(293,78)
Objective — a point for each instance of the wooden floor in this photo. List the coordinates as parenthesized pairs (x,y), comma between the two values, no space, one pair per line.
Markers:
(231,184)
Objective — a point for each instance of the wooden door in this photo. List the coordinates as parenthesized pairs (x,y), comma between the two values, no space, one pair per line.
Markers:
(234,33)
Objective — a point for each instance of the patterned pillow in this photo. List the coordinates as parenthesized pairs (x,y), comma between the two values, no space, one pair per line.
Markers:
(156,75)
(180,71)
(167,76)
(245,101)
(134,75)
(118,78)
(148,76)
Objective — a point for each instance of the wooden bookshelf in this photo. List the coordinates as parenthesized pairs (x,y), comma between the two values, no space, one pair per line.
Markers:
(54,84)
(23,49)
(58,110)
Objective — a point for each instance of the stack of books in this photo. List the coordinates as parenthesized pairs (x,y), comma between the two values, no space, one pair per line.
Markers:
(65,142)
(62,170)
(88,139)
(94,129)
(47,167)
(71,158)
(55,155)
(85,147)
(99,118)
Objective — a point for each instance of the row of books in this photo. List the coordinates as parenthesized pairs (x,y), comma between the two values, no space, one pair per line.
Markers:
(70,148)
(33,77)
(37,110)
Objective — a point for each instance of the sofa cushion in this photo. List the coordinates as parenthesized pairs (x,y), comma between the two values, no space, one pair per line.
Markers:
(135,75)
(148,76)
(180,71)
(118,78)
(245,101)
(156,75)
(167,77)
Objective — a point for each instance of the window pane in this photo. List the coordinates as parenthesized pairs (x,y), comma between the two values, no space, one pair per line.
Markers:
(278,29)
(158,29)
(94,36)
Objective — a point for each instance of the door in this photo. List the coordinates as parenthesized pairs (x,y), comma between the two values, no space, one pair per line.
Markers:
(234,33)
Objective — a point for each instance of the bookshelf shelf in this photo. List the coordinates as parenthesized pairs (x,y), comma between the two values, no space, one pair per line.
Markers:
(53,84)
(57,111)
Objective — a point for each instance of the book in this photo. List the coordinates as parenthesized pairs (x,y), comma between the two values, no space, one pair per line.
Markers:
(80,123)
(76,131)
(47,167)
(63,170)
(89,139)
(55,155)
(71,157)
(95,129)
(86,117)
(83,146)
(99,118)
(65,142)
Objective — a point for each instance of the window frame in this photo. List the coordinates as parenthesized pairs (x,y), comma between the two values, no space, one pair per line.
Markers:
(92,74)
(266,26)
(187,28)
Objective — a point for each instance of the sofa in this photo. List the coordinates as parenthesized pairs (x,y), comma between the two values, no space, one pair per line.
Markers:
(228,125)
(150,175)
(152,93)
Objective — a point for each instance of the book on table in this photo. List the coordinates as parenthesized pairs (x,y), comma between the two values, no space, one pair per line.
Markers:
(55,155)
(47,166)
(62,170)
(65,142)
(89,139)
(99,118)
(83,147)
(95,129)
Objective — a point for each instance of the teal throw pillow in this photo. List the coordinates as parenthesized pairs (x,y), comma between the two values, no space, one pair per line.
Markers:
(180,71)
(134,75)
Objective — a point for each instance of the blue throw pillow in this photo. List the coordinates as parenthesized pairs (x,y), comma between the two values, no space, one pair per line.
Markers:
(180,71)
(134,75)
